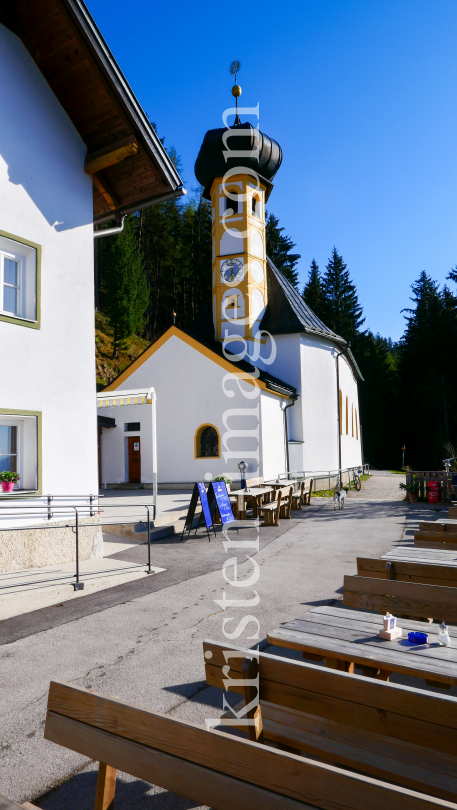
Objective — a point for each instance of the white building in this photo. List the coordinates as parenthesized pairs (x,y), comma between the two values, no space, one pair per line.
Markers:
(75,149)
(294,406)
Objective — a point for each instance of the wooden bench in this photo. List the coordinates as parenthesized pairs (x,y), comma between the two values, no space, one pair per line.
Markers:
(210,767)
(401,598)
(422,572)
(280,507)
(392,732)
(7,804)
(303,495)
(438,538)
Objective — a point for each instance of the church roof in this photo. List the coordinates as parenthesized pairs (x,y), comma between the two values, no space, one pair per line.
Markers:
(287,312)
(211,349)
(252,149)
(271,382)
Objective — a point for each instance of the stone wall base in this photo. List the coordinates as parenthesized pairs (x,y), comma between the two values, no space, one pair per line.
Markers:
(35,548)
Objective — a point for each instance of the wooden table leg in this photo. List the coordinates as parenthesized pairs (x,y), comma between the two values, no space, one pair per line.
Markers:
(374,672)
(241,508)
(106,786)
(341,666)
(312,656)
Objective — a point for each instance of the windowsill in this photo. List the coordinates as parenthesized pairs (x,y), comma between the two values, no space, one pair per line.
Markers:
(19,492)
(16,319)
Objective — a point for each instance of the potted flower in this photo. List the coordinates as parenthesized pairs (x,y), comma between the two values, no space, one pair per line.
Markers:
(412,488)
(9,479)
(227,480)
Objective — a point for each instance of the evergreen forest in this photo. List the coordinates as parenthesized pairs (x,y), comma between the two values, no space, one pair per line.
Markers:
(157,272)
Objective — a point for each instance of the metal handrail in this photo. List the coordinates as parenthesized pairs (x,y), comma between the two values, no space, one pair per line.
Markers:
(76,526)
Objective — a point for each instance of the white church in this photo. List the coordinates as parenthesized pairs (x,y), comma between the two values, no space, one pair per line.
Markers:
(257,377)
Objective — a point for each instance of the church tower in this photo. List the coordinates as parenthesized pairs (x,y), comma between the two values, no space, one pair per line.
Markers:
(235,165)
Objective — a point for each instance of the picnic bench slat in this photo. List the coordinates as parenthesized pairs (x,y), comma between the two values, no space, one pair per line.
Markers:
(435,555)
(437,543)
(436,535)
(343,745)
(194,782)
(7,804)
(200,765)
(361,615)
(401,597)
(422,573)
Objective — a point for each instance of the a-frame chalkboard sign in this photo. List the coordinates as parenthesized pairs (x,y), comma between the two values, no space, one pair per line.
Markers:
(200,494)
(216,497)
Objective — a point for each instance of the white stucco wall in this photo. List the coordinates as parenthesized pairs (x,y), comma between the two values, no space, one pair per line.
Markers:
(308,363)
(46,198)
(273,439)
(114,452)
(190,393)
(351,453)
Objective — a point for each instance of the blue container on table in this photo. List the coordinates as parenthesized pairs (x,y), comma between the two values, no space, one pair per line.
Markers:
(416,637)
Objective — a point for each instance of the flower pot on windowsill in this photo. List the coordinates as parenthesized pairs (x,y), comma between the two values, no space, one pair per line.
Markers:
(413,497)
(7,486)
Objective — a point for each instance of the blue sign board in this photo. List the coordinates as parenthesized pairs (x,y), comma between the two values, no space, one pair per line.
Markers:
(223,502)
(205,505)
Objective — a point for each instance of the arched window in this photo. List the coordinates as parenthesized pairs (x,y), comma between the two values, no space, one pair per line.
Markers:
(347,416)
(207,442)
(341,412)
(231,205)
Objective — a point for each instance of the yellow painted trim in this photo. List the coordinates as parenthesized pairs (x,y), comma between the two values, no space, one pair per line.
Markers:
(174,331)
(201,428)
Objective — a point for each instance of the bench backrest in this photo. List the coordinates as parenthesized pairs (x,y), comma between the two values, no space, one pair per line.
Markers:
(405,571)
(211,767)
(254,482)
(400,712)
(407,598)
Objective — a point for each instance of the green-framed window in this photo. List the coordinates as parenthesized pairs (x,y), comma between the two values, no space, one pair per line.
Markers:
(20,281)
(20,448)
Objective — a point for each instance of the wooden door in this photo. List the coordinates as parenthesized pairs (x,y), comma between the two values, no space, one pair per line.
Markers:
(134,460)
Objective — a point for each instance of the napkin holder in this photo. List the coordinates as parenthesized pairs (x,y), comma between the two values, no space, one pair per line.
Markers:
(391,630)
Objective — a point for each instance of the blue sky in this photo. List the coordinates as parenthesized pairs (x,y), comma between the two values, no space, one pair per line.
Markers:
(361,95)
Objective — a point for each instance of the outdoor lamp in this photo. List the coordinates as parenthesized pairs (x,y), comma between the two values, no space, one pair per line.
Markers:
(447,463)
(242,466)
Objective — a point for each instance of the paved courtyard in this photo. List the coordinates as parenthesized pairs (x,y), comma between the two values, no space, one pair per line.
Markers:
(142,641)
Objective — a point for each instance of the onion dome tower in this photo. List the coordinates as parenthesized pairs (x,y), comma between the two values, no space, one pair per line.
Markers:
(235,166)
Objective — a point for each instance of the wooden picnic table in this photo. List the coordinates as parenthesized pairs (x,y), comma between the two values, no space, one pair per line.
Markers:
(345,638)
(257,494)
(430,556)
(284,482)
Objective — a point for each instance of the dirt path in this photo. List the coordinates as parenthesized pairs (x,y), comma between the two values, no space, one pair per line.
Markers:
(382,485)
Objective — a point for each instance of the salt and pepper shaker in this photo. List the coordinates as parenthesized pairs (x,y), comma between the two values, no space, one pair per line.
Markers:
(443,635)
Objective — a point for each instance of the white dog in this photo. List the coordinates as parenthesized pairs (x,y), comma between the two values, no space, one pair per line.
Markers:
(339,498)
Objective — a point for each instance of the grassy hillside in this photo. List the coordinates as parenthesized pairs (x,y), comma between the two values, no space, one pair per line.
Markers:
(108,367)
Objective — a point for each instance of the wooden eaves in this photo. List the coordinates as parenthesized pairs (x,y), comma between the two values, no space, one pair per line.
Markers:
(128,163)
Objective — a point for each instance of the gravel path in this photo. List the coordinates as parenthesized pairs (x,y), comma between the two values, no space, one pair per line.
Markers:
(382,485)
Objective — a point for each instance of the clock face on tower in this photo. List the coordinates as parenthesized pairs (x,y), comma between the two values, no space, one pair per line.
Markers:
(231,270)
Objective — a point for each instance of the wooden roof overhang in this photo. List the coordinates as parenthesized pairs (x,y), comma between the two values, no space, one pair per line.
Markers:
(129,166)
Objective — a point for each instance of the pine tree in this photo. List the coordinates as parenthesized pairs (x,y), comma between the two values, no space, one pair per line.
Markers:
(341,310)
(125,291)
(427,380)
(279,249)
(312,291)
